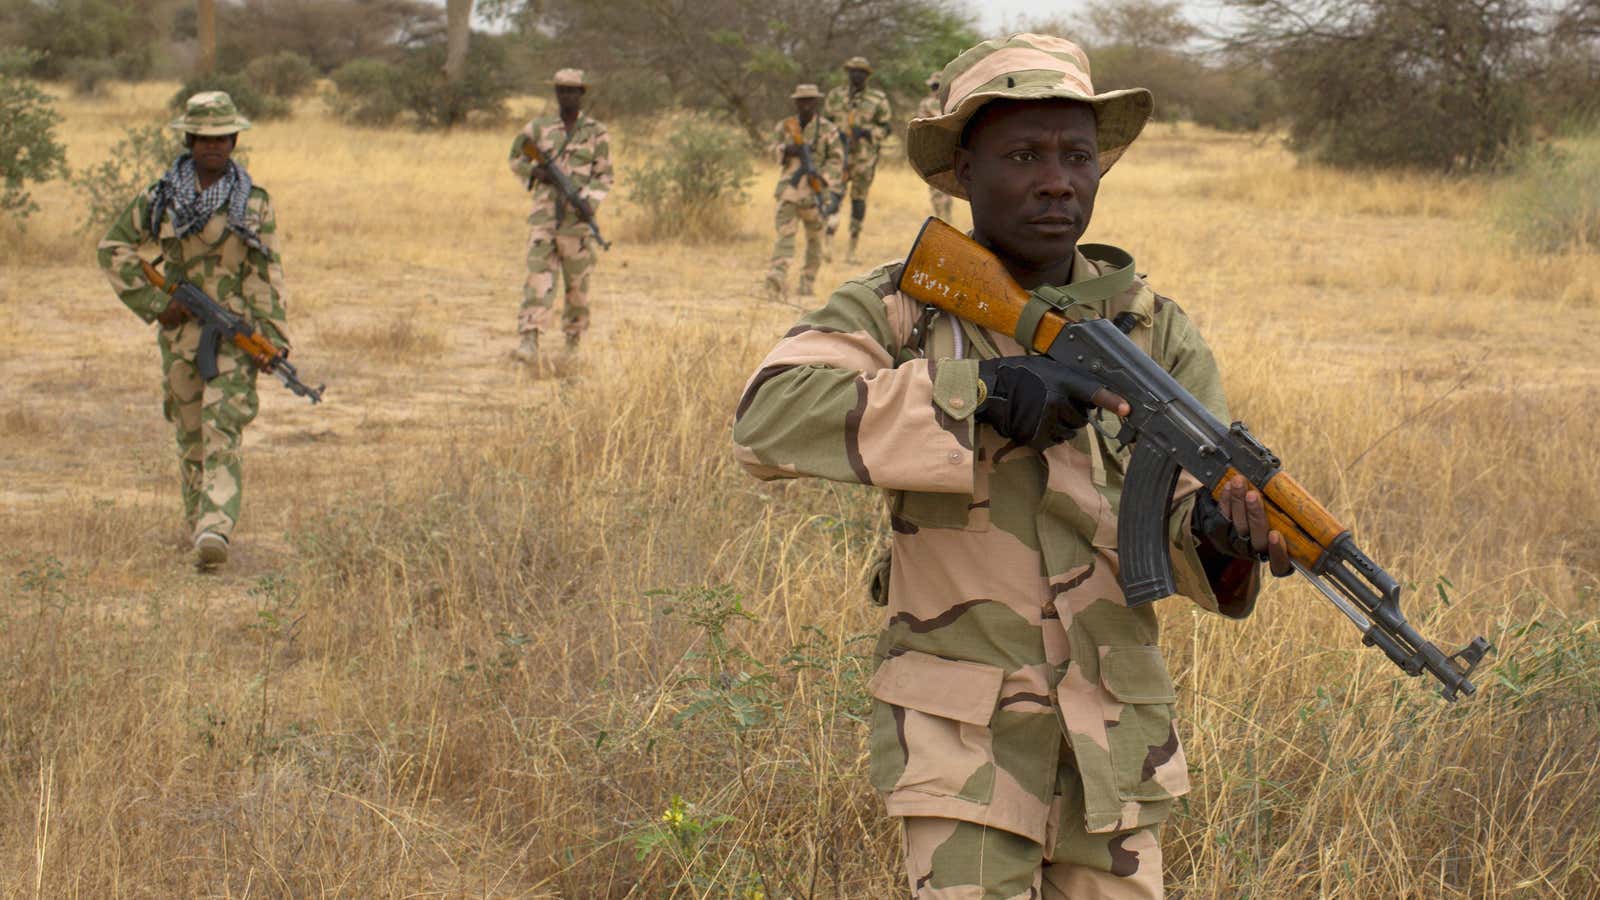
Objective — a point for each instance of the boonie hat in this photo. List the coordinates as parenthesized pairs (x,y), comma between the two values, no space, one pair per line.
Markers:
(858,62)
(210,114)
(568,78)
(1019,67)
(802,91)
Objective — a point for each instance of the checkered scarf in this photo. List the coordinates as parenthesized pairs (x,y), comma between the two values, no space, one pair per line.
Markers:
(178,192)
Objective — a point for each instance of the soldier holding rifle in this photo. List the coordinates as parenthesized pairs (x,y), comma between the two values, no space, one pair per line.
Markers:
(1023,714)
(862,114)
(561,234)
(808,148)
(216,229)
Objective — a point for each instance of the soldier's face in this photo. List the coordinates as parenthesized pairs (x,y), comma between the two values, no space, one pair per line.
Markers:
(933,88)
(858,78)
(1031,170)
(805,108)
(569,99)
(211,152)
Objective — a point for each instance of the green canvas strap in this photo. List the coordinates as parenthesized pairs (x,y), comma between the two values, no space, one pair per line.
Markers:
(1117,280)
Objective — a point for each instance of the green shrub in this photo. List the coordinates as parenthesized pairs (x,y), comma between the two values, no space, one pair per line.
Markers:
(693,183)
(285,74)
(437,103)
(135,161)
(29,152)
(1552,198)
(367,92)
(252,103)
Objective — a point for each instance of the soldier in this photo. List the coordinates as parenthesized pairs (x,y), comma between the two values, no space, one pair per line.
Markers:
(1023,722)
(800,199)
(863,115)
(215,228)
(929,108)
(581,147)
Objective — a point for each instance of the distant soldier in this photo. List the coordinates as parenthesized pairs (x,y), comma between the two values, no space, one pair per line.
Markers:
(804,138)
(557,237)
(863,115)
(216,229)
(929,108)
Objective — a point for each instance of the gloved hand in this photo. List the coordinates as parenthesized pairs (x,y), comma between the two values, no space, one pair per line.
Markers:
(861,133)
(1037,401)
(790,151)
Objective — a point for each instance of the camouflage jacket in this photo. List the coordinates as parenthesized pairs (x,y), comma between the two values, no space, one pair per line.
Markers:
(1005,625)
(586,158)
(868,109)
(245,279)
(827,157)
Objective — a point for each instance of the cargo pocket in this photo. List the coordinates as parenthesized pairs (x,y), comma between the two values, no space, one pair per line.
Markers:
(1146,755)
(930,726)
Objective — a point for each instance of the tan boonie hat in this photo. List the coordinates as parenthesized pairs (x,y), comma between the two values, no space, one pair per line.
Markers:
(858,62)
(802,91)
(1020,67)
(210,113)
(568,78)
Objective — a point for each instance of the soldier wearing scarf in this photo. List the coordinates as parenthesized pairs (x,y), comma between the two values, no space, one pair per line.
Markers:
(215,228)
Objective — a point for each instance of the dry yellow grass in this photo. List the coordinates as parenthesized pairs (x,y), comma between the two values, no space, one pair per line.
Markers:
(471,613)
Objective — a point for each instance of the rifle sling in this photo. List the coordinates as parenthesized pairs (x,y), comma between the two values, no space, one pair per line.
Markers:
(1090,290)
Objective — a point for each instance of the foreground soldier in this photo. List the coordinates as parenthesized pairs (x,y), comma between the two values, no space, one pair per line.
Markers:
(927,109)
(557,238)
(1023,714)
(862,114)
(800,196)
(216,229)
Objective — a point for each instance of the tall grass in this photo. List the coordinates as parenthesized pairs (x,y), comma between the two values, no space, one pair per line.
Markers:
(486,634)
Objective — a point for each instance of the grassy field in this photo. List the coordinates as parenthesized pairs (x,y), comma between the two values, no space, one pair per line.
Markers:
(488,633)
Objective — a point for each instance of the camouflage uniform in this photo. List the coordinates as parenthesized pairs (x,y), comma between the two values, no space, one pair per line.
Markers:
(798,203)
(943,204)
(556,236)
(849,110)
(209,416)
(1023,715)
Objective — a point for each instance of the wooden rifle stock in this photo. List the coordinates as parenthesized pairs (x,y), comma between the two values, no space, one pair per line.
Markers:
(791,127)
(265,354)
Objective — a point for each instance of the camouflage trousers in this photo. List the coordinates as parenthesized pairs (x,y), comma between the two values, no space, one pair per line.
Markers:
(573,254)
(859,183)
(209,417)
(942,203)
(788,219)
(948,859)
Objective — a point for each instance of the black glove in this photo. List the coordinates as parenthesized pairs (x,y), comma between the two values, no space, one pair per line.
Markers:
(1035,400)
(1213,527)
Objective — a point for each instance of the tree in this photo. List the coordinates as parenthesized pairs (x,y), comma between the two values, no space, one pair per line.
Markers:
(1437,84)
(206,21)
(458,25)
(1140,25)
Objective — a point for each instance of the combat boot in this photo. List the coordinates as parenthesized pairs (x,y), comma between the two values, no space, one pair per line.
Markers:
(572,343)
(774,288)
(807,287)
(210,549)
(851,257)
(528,350)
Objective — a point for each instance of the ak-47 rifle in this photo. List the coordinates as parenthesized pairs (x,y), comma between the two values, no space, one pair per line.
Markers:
(1170,430)
(819,185)
(218,322)
(563,184)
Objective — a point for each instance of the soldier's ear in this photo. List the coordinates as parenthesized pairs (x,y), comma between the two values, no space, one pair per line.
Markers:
(962,168)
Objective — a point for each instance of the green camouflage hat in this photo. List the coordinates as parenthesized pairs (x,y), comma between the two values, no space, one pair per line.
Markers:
(858,62)
(803,91)
(210,113)
(1020,67)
